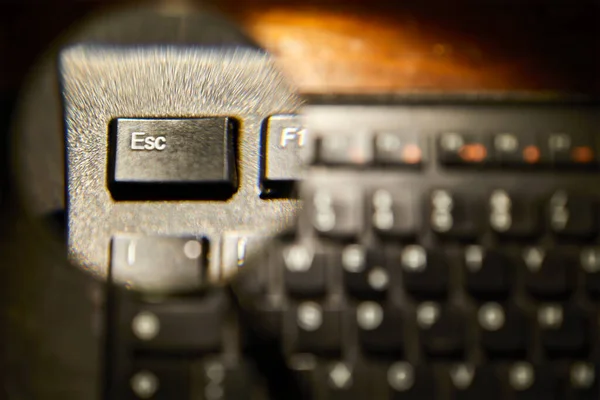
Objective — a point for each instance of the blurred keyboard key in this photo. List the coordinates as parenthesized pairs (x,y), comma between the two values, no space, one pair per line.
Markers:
(589,260)
(488,273)
(513,216)
(409,382)
(465,149)
(380,329)
(336,211)
(583,381)
(424,272)
(563,329)
(504,329)
(453,215)
(180,326)
(159,379)
(317,329)
(519,149)
(394,212)
(365,272)
(573,216)
(468,382)
(549,274)
(343,149)
(571,149)
(395,148)
(528,382)
(441,329)
(304,270)
(158,263)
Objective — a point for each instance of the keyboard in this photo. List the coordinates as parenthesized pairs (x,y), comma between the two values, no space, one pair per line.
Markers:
(403,248)
(443,250)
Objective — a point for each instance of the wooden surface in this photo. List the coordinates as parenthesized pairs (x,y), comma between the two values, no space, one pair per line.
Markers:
(338,48)
(370,46)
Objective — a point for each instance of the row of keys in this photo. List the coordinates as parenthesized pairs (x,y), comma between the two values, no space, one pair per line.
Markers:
(424,273)
(189,327)
(458,148)
(150,155)
(339,212)
(523,149)
(403,380)
(172,264)
(505,329)
(211,378)
(214,379)
(140,261)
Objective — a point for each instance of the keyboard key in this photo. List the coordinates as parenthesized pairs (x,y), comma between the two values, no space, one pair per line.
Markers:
(457,148)
(173,158)
(394,213)
(456,216)
(304,368)
(468,382)
(318,330)
(304,271)
(533,383)
(159,379)
(582,381)
(441,329)
(589,260)
(158,263)
(424,272)
(488,273)
(571,149)
(563,330)
(365,274)
(518,150)
(336,212)
(267,320)
(513,216)
(380,329)
(393,148)
(284,139)
(343,149)
(229,379)
(549,274)
(504,329)
(180,326)
(408,382)
(573,216)
(341,381)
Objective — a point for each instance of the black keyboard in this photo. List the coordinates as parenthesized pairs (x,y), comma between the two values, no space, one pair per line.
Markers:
(443,251)
(418,248)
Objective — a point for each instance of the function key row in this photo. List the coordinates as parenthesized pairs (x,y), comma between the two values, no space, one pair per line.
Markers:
(288,146)
(409,148)
(523,149)
(346,212)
